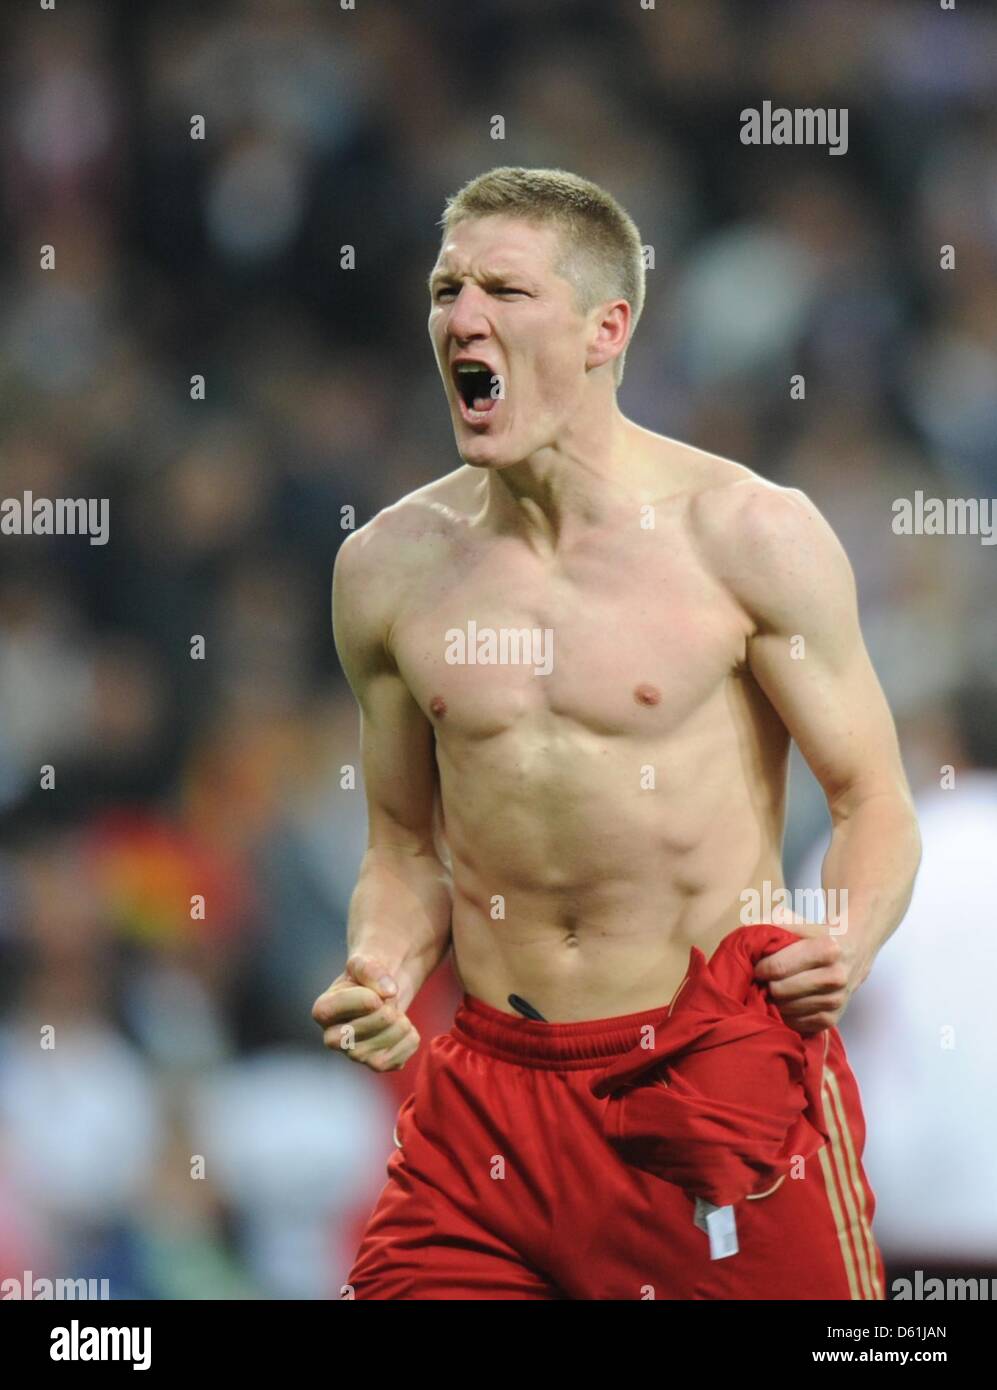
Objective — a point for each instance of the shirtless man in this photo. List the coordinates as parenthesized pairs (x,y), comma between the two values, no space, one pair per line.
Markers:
(572,826)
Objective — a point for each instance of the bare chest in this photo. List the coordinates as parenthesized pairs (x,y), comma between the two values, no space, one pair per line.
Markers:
(618,641)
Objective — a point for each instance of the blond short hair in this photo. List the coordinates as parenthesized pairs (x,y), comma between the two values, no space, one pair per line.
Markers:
(603,257)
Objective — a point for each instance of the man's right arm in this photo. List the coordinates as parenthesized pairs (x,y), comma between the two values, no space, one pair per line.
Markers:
(399,919)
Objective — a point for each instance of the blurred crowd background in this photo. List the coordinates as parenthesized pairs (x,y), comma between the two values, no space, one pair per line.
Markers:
(175,776)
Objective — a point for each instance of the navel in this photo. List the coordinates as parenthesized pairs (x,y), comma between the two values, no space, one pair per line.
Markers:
(647,695)
(437,706)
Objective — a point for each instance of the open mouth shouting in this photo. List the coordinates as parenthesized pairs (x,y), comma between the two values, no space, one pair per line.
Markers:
(475,381)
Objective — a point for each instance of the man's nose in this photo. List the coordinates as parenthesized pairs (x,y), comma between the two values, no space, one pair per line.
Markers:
(467,314)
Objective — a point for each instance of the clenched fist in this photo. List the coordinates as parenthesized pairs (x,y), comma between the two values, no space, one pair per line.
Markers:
(360,1016)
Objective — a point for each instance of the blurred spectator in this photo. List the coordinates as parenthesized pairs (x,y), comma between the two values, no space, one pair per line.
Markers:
(921,1032)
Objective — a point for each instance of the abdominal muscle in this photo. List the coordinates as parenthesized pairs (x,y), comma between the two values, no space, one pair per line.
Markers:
(587,907)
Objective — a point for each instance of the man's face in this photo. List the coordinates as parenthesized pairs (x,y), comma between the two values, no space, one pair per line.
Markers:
(497,301)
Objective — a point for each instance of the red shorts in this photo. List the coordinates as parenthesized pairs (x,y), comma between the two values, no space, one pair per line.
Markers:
(503,1185)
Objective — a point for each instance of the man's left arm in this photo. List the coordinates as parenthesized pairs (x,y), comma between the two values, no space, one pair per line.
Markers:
(808,656)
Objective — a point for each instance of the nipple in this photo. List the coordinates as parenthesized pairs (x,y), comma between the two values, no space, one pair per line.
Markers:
(438,706)
(647,695)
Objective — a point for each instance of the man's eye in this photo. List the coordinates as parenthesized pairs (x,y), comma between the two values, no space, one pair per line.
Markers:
(450,291)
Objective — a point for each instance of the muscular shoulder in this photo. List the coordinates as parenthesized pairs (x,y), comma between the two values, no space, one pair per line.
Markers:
(434,510)
(396,537)
(770,547)
(377,563)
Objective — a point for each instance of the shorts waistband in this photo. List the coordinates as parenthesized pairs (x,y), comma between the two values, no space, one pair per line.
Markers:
(567,1046)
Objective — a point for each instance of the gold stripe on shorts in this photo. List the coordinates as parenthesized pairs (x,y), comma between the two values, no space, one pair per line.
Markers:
(834,1185)
(839,1222)
(850,1165)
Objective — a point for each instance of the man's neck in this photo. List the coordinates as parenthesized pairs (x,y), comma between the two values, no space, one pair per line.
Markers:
(568,488)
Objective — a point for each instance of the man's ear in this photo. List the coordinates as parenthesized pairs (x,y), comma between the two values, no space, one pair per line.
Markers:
(610,331)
